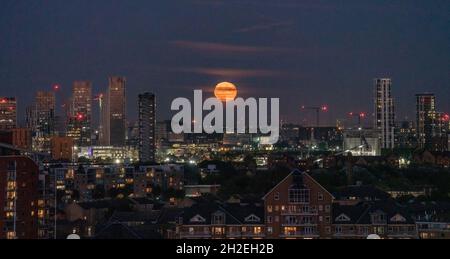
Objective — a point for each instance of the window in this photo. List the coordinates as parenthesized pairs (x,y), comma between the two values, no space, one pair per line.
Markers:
(327,208)
(270,230)
(299,195)
(398,218)
(309,231)
(378,218)
(307,220)
(252,218)
(342,218)
(276,196)
(218,231)
(269,209)
(291,220)
(320,196)
(196,219)
(218,218)
(269,219)
(257,230)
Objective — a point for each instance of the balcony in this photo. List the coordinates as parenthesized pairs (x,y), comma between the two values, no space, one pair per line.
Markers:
(298,224)
(299,213)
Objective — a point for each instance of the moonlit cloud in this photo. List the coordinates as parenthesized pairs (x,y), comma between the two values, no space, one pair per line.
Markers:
(232,73)
(227,48)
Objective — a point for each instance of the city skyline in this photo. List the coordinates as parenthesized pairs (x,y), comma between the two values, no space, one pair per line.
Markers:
(224,120)
(156,56)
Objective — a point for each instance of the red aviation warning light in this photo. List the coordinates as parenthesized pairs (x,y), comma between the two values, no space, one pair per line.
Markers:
(56,87)
(446,117)
(324,108)
(80,117)
(362,115)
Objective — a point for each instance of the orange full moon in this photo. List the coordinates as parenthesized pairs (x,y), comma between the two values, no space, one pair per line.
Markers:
(225,92)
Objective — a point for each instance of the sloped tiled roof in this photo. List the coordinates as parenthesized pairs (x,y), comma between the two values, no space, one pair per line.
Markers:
(235,214)
(361,213)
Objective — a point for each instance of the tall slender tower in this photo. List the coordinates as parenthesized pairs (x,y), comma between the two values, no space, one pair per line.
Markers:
(384,111)
(116,109)
(147,124)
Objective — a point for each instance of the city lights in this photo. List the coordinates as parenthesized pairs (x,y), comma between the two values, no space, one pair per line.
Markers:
(249,121)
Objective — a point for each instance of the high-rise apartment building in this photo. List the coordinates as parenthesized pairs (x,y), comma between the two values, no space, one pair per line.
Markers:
(298,207)
(384,112)
(19,178)
(147,124)
(114,126)
(8,113)
(430,126)
(79,126)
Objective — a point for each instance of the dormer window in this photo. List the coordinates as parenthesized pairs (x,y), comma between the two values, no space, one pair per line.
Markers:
(252,218)
(398,218)
(378,218)
(198,219)
(342,218)
(218,218)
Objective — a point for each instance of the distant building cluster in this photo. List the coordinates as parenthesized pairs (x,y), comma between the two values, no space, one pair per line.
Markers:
(78,165)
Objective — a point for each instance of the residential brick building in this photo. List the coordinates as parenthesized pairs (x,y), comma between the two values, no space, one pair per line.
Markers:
(298,207)
(214,220)
(383,218)
(19,178)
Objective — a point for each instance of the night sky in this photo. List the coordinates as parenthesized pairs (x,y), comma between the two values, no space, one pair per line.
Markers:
(304,52)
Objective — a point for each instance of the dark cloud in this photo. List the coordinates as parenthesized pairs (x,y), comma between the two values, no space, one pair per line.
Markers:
(264,27)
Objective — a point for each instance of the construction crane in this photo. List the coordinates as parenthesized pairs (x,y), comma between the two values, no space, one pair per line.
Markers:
(361,116)
(323,108)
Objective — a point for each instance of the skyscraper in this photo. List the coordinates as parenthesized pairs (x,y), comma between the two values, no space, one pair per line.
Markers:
(45,112)
(426,108)
(116,111)
(431,132)
(8,113)
(384,111)
(147,124)
(80,119)
(43,120)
